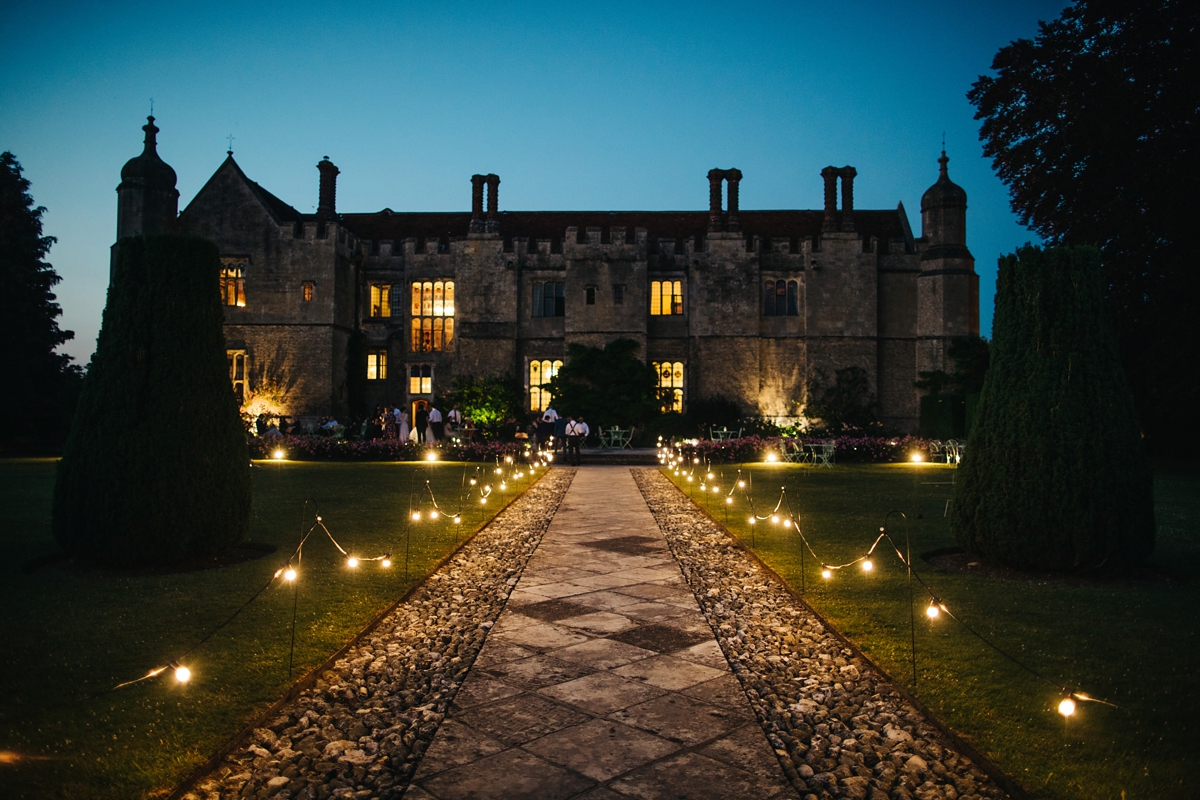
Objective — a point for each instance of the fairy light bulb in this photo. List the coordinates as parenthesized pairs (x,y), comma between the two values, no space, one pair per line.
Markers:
(278,454)
(289,574)
(787,523)
(933,611)
(1067,706)
(774,519)
(689,478)
(771,457)
(351,562)
(741,484)
(753,520)
(183,674)
(716,489)
(433,514)
(728,501)
(503,485)
(916,458)
(385,563)
(483,501)
(868,566)
(709,476)
(826,573)
(416,516)
(508,459)
(498,470)
(431,456)
(473,481)
(457,520)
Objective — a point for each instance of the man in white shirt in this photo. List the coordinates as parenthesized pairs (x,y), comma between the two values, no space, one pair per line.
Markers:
(436,429)
(575,432)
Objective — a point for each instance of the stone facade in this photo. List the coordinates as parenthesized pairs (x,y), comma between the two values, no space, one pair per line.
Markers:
(321,294)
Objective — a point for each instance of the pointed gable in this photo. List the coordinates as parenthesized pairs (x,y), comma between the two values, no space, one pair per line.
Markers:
(230,202)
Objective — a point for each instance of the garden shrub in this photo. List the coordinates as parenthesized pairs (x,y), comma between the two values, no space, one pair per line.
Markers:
(1054,476)
(156,468)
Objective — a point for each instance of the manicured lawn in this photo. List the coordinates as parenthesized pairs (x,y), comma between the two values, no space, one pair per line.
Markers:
(1135,644)
(71,635)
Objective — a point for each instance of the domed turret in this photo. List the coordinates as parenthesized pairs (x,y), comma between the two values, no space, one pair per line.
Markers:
(147,200)
(944,210)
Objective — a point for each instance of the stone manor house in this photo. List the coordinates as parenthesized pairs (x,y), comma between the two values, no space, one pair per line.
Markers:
(744,304)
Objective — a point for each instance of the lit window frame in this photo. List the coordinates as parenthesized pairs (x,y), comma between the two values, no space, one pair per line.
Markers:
(239,371)
(420,379)
(377,364)
(666,298)
(670,384)
(540,372)
(232,281)
(431,327)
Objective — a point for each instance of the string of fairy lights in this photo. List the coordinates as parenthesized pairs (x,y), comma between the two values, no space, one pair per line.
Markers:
(423,506)
(698,471)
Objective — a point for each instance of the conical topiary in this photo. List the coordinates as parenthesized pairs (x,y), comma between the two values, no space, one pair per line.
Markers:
(156,469)
(1054,476)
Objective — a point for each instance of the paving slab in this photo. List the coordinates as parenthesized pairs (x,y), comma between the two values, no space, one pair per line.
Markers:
(601,679)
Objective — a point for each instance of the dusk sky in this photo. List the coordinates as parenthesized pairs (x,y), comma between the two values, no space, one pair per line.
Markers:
(622,106)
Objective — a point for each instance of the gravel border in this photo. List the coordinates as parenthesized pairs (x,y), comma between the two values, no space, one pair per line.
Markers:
(361,728)
(838,725)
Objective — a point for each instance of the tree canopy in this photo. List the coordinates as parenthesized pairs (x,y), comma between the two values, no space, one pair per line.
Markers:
(40,384)
(608,387)
(1094,126)
(1054,476)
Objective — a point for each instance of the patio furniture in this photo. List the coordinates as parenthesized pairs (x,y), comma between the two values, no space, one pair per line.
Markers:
(821,453)
(723,434)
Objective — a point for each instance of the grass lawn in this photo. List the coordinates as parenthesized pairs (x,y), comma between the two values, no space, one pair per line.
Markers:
(70,635)
(1136,644)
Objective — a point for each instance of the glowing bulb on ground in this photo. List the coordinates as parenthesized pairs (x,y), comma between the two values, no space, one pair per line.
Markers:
(689,478)
(503,486)
(774,519)
(289,574)
(868,566)
(278,454)
(433,514)
(387,562)
(695,461)
(916,457)
(473,481)
(416,516)
(183,674)
(508,459)
(753,520)
(498,470)
(709,476)
(431,456)
(457,520)
(933,611)
(483,501)
(770,457)
(787,523)
(352,562)
(716,490)
(728,501)
(1066,707)
(826,573)
(741,484)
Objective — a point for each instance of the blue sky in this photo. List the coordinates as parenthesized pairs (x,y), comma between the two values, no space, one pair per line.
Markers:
(590,106)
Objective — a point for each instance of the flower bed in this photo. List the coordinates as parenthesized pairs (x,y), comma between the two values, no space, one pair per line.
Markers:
(329,448)
(848,449)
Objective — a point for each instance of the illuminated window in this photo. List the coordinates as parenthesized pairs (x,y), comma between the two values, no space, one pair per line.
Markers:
(308,291)
(420,379)
(432,316)
(237,373)
(376,365)
(666,298)
(618,294)
(781,299)
(381,300)
(549,299)
(540,373)
(670,384)
(233,282)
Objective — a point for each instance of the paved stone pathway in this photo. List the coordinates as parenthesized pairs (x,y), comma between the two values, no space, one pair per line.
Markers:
(601,678)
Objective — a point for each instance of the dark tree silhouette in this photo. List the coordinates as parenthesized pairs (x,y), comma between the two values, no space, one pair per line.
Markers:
(1095,127)
(156,469)
(1054,476)
(40,385)
(608,387)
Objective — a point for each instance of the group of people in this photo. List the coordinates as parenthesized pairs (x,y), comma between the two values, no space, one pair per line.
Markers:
(569,433)
(428,427)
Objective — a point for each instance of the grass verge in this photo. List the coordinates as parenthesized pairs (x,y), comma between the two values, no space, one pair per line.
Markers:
(1132,642)
(72,634)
